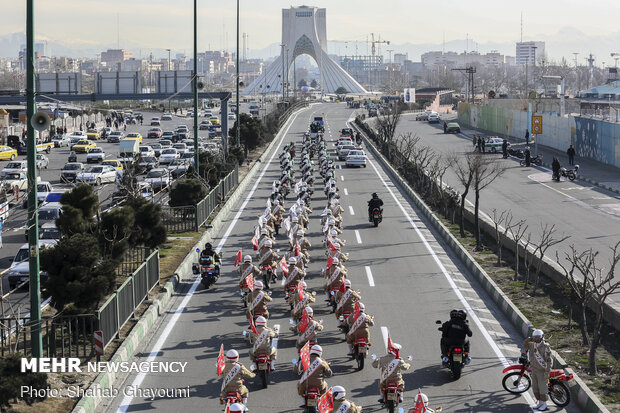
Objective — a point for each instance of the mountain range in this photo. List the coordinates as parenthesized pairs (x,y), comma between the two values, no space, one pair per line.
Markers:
(564,43)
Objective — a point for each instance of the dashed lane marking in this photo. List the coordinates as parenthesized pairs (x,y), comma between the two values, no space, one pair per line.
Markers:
(351,210)
(345,191)
(371,281)
(357,237)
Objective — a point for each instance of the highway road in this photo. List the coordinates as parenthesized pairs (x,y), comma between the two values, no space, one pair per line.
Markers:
(407,278)
(13,234)
(588,214)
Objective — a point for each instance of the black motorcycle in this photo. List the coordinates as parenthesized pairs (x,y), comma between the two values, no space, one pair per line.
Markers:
(457,358)
(376,216)
(534,160)
(571,174)
(208,270)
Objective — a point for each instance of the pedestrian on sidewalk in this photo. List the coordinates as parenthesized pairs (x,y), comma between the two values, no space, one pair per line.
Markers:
(555,168)
(445,127)
(505,149)
(527,137)
(571,155)
(475,141)
(481,147)
(528,155)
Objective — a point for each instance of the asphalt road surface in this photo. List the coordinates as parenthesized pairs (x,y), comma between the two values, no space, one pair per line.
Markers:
(588,214)
(407,281)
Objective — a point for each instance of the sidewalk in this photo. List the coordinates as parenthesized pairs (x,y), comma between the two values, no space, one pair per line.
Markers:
(590,171)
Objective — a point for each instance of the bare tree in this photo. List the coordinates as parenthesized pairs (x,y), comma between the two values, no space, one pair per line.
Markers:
(485,171)
(527,261)
(464,174)
(516,233)
(547,240)
(386,128)
(501,234)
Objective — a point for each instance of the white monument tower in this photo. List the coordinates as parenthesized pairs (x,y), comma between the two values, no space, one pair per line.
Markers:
(304,31)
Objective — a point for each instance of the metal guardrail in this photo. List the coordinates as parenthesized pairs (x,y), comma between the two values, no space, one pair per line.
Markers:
(132,259)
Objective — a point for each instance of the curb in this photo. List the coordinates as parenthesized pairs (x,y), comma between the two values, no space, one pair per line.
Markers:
(104,381)
(583,396)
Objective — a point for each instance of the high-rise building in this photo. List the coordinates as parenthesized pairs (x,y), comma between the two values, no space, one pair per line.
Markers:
(528,52)
(114,57)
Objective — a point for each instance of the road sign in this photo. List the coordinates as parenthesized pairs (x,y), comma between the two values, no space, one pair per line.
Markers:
(537,125)
(98,335)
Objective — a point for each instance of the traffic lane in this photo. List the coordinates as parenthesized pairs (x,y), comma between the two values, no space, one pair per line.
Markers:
(576,212)
(412,312)
(218,302)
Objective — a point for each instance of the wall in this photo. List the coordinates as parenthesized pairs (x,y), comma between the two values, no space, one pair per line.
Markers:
(539,105)
(598,140)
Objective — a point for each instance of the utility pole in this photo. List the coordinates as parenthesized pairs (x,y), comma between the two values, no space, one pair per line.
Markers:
(195,87)
(36,340)
(169,100)
(287,71)
(238,128)
(282,78)
(470,81)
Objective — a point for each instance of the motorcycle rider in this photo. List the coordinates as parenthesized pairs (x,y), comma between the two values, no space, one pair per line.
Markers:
(539,352)
(334,251)
(335,276)
(375,202)
(505,149)
(313,376)
(268,256)
(215,257)
(528,156)
(258,300)
(294,274)
(246,269)
(391,365)
(299,305)
(310,331)
(358,328)
(261,341)
(304,244)
(455,332)
(555,167)
(346,298)
(342,405)
(421,404)
(233,374)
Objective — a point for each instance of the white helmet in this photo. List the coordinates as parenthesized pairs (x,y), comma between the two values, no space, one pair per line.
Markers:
(258,285)
(294,219)
(339,392)
(304,285)
(300,232)
(333,231)
(264,231)
(260,321)
(537,333)
(362,307)
(232,355)
(336,245)
(237,408)
(335,261)
(309,311)
(292,260)
(268,243)
(347,283)
(331,221)
(247,258)
(316,349)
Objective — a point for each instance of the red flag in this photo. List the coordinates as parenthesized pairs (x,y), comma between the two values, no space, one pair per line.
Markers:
(304,355)
(300,290)
(326,402)
(356,311)
(238,258)
(254,243)
(283,266)
(227,408)
(297,249)
(419,403)
(252,326)
(332,247)
(390,346)
(250,282)
(221,362)
(305,320)
(330,261)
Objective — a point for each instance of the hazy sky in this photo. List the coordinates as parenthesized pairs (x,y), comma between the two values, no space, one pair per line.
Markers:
(160,24)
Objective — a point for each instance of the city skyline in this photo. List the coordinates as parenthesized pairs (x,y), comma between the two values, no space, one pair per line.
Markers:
(263,25)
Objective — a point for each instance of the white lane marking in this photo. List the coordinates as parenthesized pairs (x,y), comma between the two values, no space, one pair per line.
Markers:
(351,210)
(488,320)
(342,177)
(371,281)
(357,237)
(445,272)
(171,323)
(345,191)
(384,332)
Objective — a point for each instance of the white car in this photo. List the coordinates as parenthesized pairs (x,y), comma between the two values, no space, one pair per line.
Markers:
(180,147)
(343,151)
(155,122)
(60,141)
(78,135)
(231,116)
(433,117)
(493,145)
(158,178)
(14,166)
(95,155)
(356,158)
(146,150)
(97,175)
(15,179)
(146,190)
(343,141)
(43,189)
(166,116)
(168,155)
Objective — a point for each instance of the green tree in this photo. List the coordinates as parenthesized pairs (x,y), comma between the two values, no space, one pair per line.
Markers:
(302,83)
(77,273)
(187,192)
(149,229)
(341,91)
(12,379)
(79,208)
(115,229)
(251,131)
(314,83)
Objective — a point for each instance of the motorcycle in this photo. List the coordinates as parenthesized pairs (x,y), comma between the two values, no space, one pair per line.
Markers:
(360,349)
(232,397)
(209,273)
(571,174)
(518,381)
(457,357)
(344,327)
(390,396)
(376,216)
(534,160)
(311,399)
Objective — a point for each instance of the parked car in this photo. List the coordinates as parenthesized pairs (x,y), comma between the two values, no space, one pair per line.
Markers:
(97,175)
(493,144)
(95,155)
(155,122)
(42,161)
(14,166)
(154,133)
(70,171)
(453,127)
(60,141)
(355,158)
(115,136)
(158,178)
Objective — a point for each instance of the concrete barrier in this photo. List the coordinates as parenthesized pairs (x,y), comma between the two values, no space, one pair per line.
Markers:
(582,395)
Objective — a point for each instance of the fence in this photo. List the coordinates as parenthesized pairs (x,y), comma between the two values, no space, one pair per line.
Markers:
(120,307)
(132,259)
(191,218)
(292,108)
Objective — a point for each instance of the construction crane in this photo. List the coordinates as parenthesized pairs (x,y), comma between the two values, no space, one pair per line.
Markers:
(373,62)
(470,70)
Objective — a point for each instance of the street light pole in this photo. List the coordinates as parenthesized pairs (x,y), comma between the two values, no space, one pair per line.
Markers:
(36,340)
(169,100)
(195,87)
(238,128)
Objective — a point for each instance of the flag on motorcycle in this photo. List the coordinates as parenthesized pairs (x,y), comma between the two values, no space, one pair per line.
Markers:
(332,246)
(419,404)
(390,346)
(305,320)
(330,261)
(304,356)
(254,243)
(356,311)
(300,290)
(221,362)
(283,266)
(297,249)
(250,282)
(253,326)
(326,402)
(238,258)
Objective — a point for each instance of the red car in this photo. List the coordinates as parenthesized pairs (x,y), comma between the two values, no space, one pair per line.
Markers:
(154,133)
